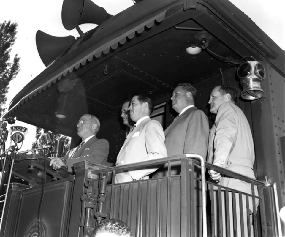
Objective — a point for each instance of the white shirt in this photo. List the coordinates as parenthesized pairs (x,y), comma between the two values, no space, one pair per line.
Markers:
(88,138)
(140,120)
(188,107)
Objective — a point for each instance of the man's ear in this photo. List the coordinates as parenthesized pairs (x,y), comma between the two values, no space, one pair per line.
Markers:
(189,94)
(145,104)
(94,126)
(228,97)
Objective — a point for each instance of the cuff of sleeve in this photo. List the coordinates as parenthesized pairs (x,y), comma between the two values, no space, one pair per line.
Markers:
(219,164)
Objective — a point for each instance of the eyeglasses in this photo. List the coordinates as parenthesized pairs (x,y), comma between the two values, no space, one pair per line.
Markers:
(81,122)
(124,111)
(175,95)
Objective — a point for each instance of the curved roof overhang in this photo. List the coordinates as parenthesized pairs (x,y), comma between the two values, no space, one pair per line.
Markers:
(138,28)
(99,48)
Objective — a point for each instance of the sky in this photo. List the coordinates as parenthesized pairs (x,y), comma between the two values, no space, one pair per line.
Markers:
(45,15)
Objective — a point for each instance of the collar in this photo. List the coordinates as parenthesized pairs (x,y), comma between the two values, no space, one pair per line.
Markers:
(183,110)
(88,138)
(140,120)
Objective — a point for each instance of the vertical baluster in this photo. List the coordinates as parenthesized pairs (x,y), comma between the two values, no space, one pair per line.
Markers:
(227,210)
(254,210)
(148,214)
(234,213)
(129,212)
(168,168)
(101,197)
(220,211)
(262,213)
(187,204)
(158,209)
(88,204)
(139,219)
(168,222)
(241,214)
(113,200)
(248,216)
(121,206)
(213,213)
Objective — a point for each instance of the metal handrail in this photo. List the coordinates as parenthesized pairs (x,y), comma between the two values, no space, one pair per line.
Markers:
(199,162)
(162,161)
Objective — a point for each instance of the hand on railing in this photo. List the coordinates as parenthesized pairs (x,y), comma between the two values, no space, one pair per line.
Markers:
(215,175)
(56,163)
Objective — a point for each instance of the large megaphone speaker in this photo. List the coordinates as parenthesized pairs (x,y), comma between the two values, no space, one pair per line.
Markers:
(76,12)
(50,47)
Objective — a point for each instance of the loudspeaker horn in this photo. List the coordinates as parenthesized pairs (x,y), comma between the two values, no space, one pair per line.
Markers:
(50,47)
(76,12)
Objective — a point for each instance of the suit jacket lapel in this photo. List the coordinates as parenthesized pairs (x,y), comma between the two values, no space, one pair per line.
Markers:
(128,138)
(85,145)
(177,119)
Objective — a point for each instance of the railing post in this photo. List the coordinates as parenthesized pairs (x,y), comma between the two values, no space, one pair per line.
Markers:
(262,212)
(88,206)
(203,181)
(187,206)
(101,197)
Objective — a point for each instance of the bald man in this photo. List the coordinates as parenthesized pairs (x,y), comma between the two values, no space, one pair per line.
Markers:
(91,148)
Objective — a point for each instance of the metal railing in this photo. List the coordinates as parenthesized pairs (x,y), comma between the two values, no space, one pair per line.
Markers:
(187,204)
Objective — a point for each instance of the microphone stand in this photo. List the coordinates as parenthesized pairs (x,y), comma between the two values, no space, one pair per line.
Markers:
(3,156)
(9,163)
(3,139)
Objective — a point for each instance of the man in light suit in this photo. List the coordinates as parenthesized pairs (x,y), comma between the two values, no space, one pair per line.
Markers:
(231,147)
(145,142)
(91,148)
(189,131)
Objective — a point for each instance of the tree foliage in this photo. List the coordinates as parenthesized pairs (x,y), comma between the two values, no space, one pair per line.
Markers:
(8,68)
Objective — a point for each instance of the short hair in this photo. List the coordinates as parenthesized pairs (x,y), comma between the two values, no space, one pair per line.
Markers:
(226,89)
(94,119)
(126,101)
(113,226)
(189,88)
(145,98)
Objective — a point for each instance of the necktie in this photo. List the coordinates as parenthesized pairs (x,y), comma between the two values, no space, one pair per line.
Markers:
(132,129)
(80,145)
(77,149)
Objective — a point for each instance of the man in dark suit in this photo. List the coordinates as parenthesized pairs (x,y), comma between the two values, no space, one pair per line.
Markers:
(189,131)
(187,134)
(91,148)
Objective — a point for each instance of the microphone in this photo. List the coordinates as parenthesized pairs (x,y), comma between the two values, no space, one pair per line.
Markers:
(45,140)
(10,120)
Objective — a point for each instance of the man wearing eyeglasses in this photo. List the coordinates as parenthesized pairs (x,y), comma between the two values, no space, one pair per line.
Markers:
(91,148)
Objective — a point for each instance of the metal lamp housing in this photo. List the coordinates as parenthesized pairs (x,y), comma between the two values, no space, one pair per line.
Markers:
(251,74)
